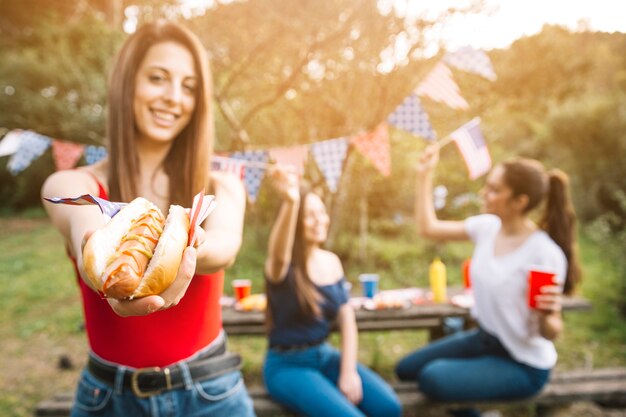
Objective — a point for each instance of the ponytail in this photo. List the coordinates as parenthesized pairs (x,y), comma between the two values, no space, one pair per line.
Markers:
(559,221)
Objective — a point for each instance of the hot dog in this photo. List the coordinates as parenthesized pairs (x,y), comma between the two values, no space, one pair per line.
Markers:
(138,252)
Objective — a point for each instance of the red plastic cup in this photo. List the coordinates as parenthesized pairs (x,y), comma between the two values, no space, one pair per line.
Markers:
(537,279)
(467,282)
(242,288)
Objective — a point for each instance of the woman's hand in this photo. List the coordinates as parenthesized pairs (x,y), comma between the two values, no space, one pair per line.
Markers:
(351,386)
(168,298)
(550,299)
(549,306)
(285,181)
(427,160)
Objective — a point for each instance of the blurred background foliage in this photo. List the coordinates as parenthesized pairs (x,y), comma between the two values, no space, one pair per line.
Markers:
(289,73)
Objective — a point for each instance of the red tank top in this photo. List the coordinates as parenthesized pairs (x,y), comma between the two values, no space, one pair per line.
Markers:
(158,339)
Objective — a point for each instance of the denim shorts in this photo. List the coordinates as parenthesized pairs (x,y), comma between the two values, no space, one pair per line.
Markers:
(224,395)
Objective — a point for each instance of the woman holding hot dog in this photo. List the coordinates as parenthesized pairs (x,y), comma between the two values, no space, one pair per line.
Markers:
(306,292)
(160,354)
(510,354)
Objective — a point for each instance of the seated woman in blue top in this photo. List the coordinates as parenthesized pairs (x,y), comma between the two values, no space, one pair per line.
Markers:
(306,292)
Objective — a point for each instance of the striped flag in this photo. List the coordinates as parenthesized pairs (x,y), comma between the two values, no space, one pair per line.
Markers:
(471,60)
(231,165)
(469,139)
(439,86)
(108,208)
(201,207)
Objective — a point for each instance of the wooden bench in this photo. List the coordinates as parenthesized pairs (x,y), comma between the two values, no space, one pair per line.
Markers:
(604,386)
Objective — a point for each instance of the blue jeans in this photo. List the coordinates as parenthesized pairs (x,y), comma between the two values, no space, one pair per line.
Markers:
(224,395)
(306,381)
(470,366)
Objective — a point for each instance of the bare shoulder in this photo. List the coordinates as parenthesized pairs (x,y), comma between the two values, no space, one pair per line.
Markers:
(70,183)
(333,262)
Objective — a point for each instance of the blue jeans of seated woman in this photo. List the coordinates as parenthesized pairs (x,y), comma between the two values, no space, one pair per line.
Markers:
(470,366)
(224,395)
(306,381)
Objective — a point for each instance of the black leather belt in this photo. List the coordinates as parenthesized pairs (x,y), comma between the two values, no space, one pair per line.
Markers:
(301,346)
(145,382)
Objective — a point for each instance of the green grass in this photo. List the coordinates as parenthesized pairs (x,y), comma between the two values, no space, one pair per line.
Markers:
(40,312)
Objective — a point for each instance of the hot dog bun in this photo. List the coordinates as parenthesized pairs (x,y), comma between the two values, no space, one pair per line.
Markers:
(138,252)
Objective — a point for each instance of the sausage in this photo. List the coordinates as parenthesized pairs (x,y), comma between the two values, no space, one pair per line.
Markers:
(123,275)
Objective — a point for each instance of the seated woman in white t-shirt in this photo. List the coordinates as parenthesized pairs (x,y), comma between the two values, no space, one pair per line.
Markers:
(510,354)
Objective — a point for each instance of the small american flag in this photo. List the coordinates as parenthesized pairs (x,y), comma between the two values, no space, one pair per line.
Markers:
(108,208)
(232,165)
(469,139)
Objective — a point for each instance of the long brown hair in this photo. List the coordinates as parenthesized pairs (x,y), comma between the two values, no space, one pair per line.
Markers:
(188,162)
(306,293)
(529,177)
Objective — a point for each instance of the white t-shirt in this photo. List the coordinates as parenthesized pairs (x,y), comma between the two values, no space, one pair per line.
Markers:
(500,286)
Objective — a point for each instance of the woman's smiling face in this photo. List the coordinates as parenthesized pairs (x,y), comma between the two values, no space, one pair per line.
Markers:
(165,92)
(315,219)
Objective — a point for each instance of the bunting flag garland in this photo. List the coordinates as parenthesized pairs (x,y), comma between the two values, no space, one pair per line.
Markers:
(374,146)
(295,156)
(24,146)
(232,165)
(410,116)
(471,60)
(66,154)
(11,142)
(94,153)
(329,156)
(253,175)
(32,146)
(469,139)
(439,86)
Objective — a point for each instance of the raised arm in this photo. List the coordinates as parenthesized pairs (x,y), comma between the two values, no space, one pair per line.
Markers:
(224,227)
(425,217)
(285,182)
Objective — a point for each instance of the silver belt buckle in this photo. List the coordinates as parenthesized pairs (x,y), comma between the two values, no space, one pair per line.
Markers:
(134,381)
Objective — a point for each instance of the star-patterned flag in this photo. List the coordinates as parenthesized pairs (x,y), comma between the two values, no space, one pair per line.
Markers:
(471,144)
(226,164)
(329,156)
(410,116)
(66,154)
(439,86)
(94,153)
(254,174)
(471,60)
(295,156)
(374,146)
(32,146)
(11,142)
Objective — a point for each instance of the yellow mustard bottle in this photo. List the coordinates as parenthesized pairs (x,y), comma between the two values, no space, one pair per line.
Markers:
(437,278)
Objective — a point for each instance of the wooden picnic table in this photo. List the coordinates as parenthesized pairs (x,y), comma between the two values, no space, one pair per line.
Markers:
(425,316)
